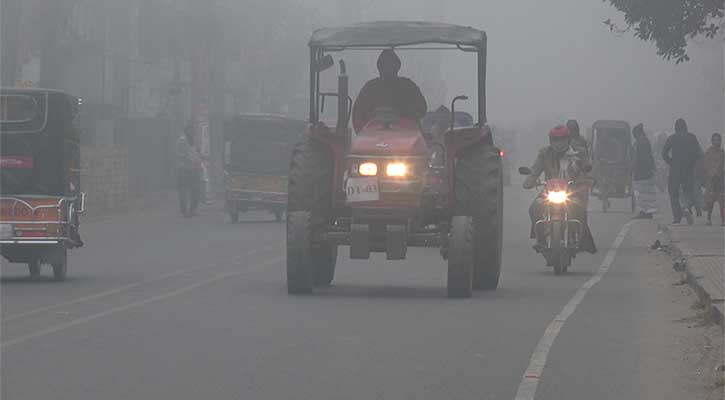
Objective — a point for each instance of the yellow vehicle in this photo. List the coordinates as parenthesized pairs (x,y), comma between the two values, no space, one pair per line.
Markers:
(257,152)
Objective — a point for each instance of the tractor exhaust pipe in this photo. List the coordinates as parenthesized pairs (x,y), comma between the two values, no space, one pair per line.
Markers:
(343,100)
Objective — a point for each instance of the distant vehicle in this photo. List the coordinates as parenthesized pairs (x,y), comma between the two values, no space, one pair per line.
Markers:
(257,151)
(40,190)
(386,188)
(611,144)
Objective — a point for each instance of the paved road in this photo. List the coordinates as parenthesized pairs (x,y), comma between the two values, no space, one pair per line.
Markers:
(157,307)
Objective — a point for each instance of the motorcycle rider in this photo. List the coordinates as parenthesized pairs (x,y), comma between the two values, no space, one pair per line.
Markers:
(552,161)
(388,91)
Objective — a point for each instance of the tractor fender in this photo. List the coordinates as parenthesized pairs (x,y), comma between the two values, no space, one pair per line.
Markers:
(337,145)
(456,140)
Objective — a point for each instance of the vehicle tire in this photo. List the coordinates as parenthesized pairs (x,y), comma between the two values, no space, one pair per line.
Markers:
(479,193)
(300,265)
(310,181)
(60,265)
(234,216)
(461,258)
(309,202)
(325,259)
(558,253)
(34,267)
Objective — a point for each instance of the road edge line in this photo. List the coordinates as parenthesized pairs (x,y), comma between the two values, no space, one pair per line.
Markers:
(537,363)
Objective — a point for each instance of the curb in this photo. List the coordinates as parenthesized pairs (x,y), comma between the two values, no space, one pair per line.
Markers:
(715,309)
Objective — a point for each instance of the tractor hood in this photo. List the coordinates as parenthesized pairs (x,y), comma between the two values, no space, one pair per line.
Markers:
(399,137)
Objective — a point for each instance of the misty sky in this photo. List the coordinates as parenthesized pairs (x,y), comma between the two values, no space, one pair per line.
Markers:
(555,59)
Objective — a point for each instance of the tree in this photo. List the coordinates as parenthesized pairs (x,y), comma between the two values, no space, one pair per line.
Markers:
(670,23)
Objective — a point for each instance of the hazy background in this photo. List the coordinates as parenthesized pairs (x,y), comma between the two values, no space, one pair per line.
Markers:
(549,61)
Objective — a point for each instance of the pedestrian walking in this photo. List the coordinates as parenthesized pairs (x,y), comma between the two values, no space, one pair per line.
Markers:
(715,178)
(643,175)
(188,168)
(681,152)
(696,201)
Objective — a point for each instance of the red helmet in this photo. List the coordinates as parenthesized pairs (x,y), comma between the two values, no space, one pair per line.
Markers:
(559,131)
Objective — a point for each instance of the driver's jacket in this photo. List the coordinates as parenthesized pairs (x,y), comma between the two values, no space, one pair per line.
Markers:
(400,94)
(549,163)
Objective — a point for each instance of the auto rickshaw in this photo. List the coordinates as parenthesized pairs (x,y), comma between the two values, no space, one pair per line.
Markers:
(40,190)
(611,143)
(257,152)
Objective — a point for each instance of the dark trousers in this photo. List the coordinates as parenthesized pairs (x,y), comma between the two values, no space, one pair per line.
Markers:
(189,185)
(679,180)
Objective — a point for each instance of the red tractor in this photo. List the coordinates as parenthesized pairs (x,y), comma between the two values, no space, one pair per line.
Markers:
(388,186)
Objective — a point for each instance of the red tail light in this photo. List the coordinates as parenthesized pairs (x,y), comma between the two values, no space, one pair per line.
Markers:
(501,153)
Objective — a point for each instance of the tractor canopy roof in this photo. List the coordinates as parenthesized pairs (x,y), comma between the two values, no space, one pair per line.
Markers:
(396,34)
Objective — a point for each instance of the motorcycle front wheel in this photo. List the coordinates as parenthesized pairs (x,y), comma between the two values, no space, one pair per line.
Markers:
(559,254)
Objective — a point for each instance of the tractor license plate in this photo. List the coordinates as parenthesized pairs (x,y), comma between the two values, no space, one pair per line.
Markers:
(6,231)
(362,189)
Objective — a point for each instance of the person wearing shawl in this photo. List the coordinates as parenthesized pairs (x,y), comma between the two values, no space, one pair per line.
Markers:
(715,178)
(643,175)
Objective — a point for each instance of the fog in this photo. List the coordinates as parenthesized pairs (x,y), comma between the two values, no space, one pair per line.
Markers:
(550,61)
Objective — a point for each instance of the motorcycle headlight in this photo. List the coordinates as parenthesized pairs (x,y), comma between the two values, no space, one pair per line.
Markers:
(558,197)
(368,169)
(396,170)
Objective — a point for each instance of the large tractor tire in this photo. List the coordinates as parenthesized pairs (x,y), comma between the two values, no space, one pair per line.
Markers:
(309,207)
(325,257)
(479,193)
(461,258)
(300,265)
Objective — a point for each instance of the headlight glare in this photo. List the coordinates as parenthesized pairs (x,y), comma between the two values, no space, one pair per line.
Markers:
(396,169)
(368,169)
(558,197)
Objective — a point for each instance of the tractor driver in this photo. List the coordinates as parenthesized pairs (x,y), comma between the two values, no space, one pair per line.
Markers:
(388,91)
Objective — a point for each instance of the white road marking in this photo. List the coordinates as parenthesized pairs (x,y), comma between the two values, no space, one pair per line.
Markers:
(530,380)
(131,286)
(182,290)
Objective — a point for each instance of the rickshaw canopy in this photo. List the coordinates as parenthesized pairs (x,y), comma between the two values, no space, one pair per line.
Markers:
(39,142)
(261,143)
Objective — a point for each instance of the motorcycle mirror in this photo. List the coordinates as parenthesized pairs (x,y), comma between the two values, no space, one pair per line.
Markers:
(524,170)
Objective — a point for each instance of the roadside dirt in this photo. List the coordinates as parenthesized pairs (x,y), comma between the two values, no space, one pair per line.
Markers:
(682,350)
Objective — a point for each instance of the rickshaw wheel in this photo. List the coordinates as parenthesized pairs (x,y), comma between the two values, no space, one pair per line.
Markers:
(34,267)
(60,265)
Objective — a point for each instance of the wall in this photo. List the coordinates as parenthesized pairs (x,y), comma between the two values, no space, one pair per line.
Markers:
(104,178)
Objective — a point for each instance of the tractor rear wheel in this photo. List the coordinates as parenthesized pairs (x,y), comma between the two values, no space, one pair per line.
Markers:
(309,211)
(479,194)
(460,258)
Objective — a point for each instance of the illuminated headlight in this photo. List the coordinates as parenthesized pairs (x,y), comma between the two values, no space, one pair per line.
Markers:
(558,197)
(397,170)
(368,169)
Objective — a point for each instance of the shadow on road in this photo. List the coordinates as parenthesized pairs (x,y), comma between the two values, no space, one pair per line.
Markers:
(385,292)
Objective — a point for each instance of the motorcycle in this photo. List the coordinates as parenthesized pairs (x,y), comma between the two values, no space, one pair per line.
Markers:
(557,234)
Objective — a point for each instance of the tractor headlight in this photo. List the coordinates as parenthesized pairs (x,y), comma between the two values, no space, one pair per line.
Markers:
(558,197)
(368,169)
(396,170)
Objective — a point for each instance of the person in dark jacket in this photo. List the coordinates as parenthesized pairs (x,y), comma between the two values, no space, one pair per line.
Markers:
(681,152)
(643,175)
(388,91)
